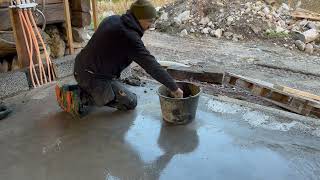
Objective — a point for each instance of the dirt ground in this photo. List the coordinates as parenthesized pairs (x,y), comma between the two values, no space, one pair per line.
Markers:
(259,61)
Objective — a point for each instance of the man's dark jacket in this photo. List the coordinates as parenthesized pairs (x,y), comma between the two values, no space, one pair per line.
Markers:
(116,43)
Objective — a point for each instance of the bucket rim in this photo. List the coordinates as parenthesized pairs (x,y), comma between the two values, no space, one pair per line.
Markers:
(166,97)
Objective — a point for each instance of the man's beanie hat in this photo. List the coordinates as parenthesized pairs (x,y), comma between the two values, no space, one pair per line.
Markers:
(143,9)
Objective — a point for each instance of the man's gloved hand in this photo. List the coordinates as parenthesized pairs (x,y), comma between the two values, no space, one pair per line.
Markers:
(177,94)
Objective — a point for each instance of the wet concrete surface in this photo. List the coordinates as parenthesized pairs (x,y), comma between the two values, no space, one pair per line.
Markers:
(40,142)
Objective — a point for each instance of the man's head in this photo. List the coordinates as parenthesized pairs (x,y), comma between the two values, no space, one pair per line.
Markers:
(145,12)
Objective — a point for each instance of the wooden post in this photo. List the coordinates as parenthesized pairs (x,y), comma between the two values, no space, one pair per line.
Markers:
(68,26)
(22,52)
(94,12)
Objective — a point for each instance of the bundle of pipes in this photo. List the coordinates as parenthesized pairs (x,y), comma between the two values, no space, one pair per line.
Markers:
(31,36)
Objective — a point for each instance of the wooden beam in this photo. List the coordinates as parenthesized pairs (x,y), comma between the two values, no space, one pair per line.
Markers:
(22,52)
(94,12)
(54,14)
(294,100)
(306,14)
(68,26)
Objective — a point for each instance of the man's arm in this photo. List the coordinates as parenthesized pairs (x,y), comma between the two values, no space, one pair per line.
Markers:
(142,56)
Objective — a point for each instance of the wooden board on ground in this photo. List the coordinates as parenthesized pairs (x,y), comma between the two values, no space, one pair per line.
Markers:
(54,14)
(294,100)
(305,14)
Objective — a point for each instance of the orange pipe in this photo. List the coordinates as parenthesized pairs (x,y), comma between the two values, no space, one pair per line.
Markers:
(41,69)
(22,20)
(49,63)
(30,49)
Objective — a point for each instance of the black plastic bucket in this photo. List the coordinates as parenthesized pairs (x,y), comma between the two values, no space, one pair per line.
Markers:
(179,110)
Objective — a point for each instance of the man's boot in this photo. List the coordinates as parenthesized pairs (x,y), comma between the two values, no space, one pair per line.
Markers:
(68,97)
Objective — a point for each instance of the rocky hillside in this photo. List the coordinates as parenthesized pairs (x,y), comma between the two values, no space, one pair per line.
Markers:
(240,20)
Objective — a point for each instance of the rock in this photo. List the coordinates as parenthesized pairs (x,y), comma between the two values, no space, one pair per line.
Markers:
(192,30)
(266,11)
(262,14)
(300,45)
(210,24)
(279,29)
(228,35)
(158,8)
(80,34)
(184,33)
(311,25)
(204,21)
(108,13)
(309,49)
(255,29)
(42,54)
(276,15)
(230,19)
(206,30)
(269,16)
(4,66)
(303,23)
(218,33)
(15,64)
(194,23)
(285,7)
(240,37)
(182,17)
(270,2)
(164,16)
(235,39)
(55,42)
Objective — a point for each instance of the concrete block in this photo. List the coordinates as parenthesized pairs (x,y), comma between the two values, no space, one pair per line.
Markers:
(211,74)
(64,66)
(13,82)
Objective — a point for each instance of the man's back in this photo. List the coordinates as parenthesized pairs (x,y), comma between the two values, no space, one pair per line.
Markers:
(107,52)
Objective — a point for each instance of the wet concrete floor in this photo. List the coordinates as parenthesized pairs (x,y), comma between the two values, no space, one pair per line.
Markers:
(40,142)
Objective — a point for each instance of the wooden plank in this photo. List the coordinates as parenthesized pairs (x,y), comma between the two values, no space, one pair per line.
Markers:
(22,52)
(290,101)
(297,92)
(54,14)
(94,12)
(68,26)
(305,14)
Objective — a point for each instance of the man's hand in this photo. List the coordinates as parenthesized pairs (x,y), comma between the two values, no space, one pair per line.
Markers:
(177,94)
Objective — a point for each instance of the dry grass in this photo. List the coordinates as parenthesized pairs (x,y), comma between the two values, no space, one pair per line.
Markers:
(121,6)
